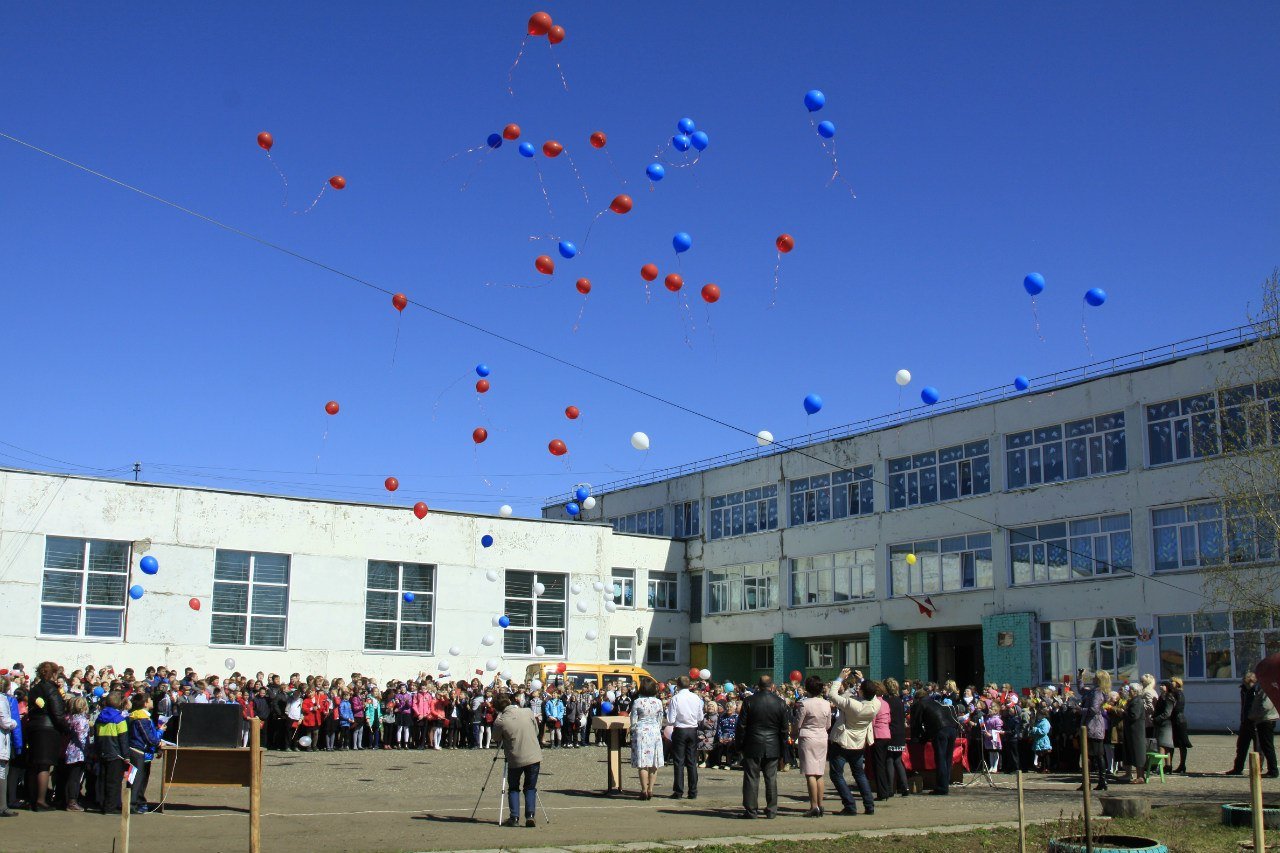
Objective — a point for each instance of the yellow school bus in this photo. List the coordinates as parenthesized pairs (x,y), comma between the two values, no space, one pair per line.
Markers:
(588,675)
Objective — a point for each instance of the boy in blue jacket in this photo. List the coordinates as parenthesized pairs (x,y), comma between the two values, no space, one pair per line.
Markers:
(111,736)
(144,740)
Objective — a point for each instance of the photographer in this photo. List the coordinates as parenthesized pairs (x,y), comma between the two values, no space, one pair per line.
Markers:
(516,731)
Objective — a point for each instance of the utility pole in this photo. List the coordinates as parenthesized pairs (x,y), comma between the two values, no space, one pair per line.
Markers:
(137,469)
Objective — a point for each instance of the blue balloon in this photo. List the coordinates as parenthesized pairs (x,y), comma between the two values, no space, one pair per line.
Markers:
(655,172)
(700,141)
(482,369)
(1022,383)
(1095,296)
(813,404)
(494,140)
(814,100)
(1033,283)
(606,708)
(527,149)
(150,565)
(136,592)
(567,249)
(409,597)
(582,493)
(504,621)
(98,692)
(681,142)
(486,540)
(826,129)
(685,125)
(572,508)
(682,241)
(930,395)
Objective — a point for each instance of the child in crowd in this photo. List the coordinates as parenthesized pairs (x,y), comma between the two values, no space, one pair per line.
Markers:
(346,721)
(1043,746)
(77,743)
(144,740)
(111,736)
(992,742)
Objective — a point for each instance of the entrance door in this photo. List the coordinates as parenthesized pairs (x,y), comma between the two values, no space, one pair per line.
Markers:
(957,656)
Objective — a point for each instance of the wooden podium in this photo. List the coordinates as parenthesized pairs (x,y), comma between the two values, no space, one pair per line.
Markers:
(217,767)
(615,726)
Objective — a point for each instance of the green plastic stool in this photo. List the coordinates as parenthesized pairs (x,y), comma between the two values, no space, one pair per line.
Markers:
(1156,762)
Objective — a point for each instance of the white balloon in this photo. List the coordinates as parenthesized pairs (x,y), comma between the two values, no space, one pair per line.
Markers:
(229,663)
(491,664)
(455,650)
(903,377)
(592,633)
(539,588)
(536,684)
(764,438)
(589,503)
(505,511)
(704,674)
(491,575)
(494,621)
(639,441)
(539,651)
(611,695)
(610,606)
(486,640)
(575,588)
(444,666)
(598,586)
(582,606)
(304,741)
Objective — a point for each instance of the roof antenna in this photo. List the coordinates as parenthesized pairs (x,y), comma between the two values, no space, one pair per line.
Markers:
(137,469)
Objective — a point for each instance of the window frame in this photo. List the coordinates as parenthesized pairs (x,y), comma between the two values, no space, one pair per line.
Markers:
(652,520)
(824,649)
(1106,430)
(687,519)
(82,606)
(1040,544)
(618,642)
(656,581)
(732,586)
(736,509)
(1111,636)
(623,586)
(819,498)
(250,584)
(911,471)
(1198,420)
(534,629)
(767,650)
(803,575)
(400,621)
(856,644)
(927,550)
(663,645)
(1231,633)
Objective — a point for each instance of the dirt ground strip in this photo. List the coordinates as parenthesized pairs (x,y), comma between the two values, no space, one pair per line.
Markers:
(384,801)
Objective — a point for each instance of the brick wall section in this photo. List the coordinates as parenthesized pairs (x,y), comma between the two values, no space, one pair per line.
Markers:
(884,647)
(1012,664)
(917,663)
(788,655)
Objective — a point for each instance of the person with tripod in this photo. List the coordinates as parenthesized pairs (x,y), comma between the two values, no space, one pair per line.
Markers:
(516,731)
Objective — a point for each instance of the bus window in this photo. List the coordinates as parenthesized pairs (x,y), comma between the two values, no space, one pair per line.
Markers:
(582,679)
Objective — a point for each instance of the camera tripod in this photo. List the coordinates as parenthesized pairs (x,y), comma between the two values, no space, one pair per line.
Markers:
(502,793)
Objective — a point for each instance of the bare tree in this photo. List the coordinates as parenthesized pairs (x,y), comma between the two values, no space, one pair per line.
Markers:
(1247,474)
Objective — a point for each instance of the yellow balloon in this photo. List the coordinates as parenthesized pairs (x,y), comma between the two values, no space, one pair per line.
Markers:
(911,559)
(39,702)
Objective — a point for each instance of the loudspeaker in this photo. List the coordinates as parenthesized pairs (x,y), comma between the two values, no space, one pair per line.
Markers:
(204,725)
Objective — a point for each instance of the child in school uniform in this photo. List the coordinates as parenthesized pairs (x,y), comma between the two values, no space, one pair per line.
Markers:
(111,737)
(144,740)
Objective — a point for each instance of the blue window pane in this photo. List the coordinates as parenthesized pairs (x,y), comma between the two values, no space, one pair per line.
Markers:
(104,623)
(61,621)
(866,501)
(797,508)
(63,553)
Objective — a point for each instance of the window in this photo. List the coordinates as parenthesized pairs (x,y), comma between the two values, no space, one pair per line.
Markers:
(688,523)
(857,653)
(941,475)
(1070,550)
(661,650)
(695,599)
(1203,646)
(942,565)
(1070,451)
(821,655)
(1090,644)
(832,578)
(649,521)
(1205,424)
(391,623)
(250,599)
(1250,416)
(762,656)
(622,649)
(824,497)
(662,590)
(748,511)
(1193,535)
(735,589)
(84,588)
(537,607)
(624,587)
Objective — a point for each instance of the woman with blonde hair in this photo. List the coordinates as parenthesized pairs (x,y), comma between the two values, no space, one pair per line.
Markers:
(1149,696)
(1094,718)
(1181,739)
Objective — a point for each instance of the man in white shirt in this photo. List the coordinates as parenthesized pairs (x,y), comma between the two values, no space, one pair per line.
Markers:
(684,713)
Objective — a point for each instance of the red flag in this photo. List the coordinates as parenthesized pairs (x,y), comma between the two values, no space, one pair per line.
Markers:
(926,606)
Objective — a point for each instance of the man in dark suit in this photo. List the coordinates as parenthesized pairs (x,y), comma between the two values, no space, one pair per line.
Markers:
(933,723)
(761,734)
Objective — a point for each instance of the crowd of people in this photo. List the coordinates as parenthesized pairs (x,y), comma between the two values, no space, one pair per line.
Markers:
(67,738)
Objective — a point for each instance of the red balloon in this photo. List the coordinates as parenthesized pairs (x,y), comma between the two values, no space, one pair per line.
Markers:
(194,604)
(557,447)
(479,434)
(482,385)
(598,139)
(711,292)
(391,483)
(551,148)
(693,672)
(584,286)
(420,509)
(544,264)
(265,141)
(621,204)
(399,301)
(539,24)
(785,243)
(555,35)
(572,413)
(511,132)
(338,182)
(561,667)
(673,282)
(797,675)
(331,407)
(649,272)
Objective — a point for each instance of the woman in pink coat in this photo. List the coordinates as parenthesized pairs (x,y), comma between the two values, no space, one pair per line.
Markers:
(424,703)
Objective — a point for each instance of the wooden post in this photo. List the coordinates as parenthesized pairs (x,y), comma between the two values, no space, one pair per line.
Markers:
(1022,818)
(1255,790)
(1084,760)
(255,786)
(124,817)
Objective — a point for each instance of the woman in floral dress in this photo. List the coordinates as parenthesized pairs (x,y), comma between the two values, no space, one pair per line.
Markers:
(647,718)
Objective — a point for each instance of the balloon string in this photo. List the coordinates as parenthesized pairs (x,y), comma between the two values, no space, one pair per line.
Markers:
(396,346)
(563,81)
(472,173)
(1084,330)
(578,175)
(314,201)
(835,160)
(614,167)
(471,150)
(436,405)
(687,162)
(324,440)
(535,237)
(578,322)
(686,319)
(777,269)
(511,73)
(545,196)
(550,280)
(1035,316)
(589,227)
(283,179)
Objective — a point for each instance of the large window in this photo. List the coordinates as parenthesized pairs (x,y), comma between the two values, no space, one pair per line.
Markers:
(832,578)
(663,588)
(1070,645)
(734,589)
(857,653)
(661,650)
(940,475)
(821,655)
(649,521)
(1204,646)
(1070,451)
(83,590)
(1205,424)
(537,607)
(688,523)
(824,497)
(250,599)
(622,649)
(392,623)
(624,587)
(1067,550)
(1211,534)
(762,656)
(942,565)
(748,511)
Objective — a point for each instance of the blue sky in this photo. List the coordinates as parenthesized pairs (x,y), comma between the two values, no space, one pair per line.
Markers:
(1134,148)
